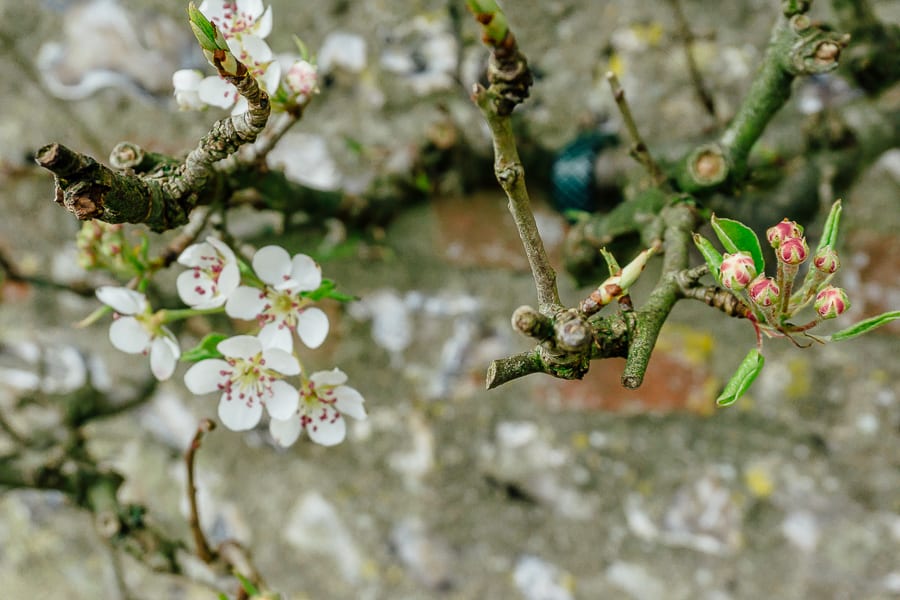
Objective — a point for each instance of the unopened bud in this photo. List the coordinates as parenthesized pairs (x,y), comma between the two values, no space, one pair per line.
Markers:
(831,301)
(737,270)
(763,291)
(632,270)
(793,251)
(301,79)
(826,260)
(785,230)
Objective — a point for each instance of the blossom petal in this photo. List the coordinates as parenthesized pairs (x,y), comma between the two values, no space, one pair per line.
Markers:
(192,256)
(198,291)
(212,9)
(312,327)
(217,91)
(270,77)
(273,265)
(326,427)
(263,25)
(245,303)
(240,346)
(349,402)
(122,300)
(251,8)
(305,273)
(206,376)
(186,79)
(222,248)
(128,335)
(328,378)
(164,353)
(283,402)
(274,335)
(285,431)
(229,279)
(239,415)
(254,48)
(281,361)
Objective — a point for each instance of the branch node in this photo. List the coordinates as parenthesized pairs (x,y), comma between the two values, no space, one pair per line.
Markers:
(532,323)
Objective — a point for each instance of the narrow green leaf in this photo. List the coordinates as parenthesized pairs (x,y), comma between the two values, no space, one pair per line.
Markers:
(202,28)
(205,349)
(712,256)
(829,233)
(865,326)
(247,585)
(746,372)
(611,262)
(737,237)
(327,290)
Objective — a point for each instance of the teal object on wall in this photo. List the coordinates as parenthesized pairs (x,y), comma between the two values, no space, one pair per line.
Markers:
(574,187)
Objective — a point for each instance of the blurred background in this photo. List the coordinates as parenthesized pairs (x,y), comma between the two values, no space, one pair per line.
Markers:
(540,489)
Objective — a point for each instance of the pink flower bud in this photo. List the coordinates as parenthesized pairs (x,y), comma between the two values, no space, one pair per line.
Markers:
(737,270)
(826,260)
(785,230)
(793,251)
(764,291)
(831,301)
(302,79)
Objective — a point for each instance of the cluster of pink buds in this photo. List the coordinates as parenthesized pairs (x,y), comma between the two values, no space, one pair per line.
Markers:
(771,302)
(774,300)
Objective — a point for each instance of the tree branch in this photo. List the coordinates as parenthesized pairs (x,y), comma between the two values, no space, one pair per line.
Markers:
(639,149)
(510,79)
(796,47)
(161,195)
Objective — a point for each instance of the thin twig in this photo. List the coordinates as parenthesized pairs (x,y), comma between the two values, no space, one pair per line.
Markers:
(687,37)
(202,546)
(638,148)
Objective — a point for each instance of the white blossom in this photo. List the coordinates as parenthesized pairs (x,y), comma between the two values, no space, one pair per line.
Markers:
(249,378)
(324,402)
(135,330)
(238,18)
(212,276)
(244,25)
(187,83)
(281,307)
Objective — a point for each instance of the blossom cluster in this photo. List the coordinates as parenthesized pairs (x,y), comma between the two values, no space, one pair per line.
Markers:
(250,372)
(245,24)
(773,299)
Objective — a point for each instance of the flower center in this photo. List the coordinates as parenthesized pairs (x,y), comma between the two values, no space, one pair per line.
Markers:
(248,379)
(234,22)
(282,307)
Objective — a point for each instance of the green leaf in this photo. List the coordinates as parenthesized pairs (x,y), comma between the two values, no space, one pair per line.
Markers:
(203,30)
(205,349)
(712,256)
(749,368)
(829,233)
(737,237)
(865,326)
(327,290)
(247,585)
(611,262)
